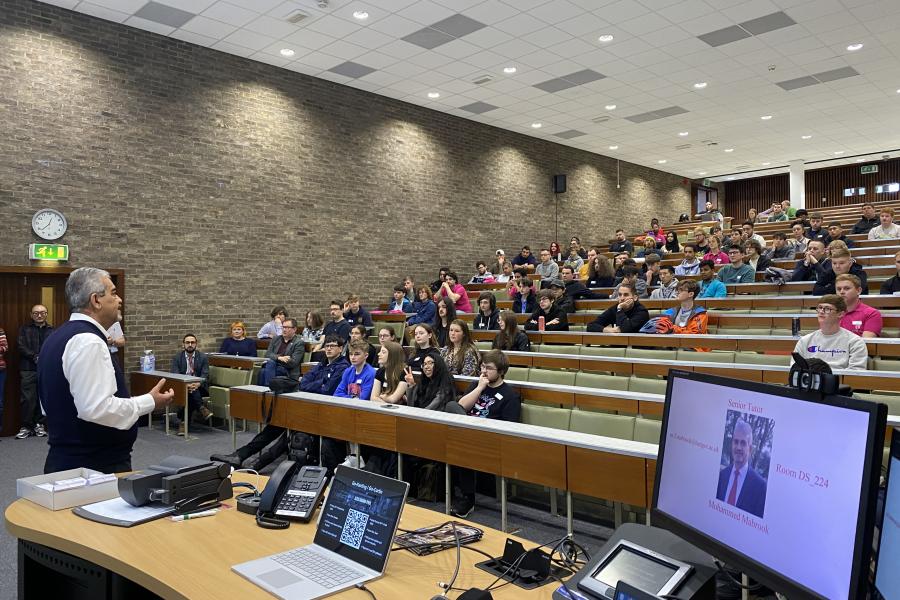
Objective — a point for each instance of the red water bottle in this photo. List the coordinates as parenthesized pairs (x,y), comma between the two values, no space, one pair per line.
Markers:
(541,323)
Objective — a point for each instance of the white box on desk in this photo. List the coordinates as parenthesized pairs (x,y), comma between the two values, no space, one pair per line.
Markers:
(27,488)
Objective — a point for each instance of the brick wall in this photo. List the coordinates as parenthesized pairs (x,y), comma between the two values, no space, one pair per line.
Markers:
(224,186)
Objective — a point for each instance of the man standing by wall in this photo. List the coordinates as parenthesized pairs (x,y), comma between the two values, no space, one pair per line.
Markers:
(92,421)
(31,340)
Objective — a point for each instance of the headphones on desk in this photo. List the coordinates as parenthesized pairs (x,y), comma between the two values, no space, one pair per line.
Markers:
(248,502)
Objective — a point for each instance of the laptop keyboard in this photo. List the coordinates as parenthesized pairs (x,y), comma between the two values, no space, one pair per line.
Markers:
(326,572)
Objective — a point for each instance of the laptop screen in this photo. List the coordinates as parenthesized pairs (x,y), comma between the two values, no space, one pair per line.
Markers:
(360,516)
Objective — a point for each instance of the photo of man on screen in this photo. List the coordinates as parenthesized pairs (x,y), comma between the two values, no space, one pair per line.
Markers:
(739,483)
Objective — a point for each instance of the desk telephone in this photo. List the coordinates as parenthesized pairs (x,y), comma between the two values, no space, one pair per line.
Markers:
(292,493)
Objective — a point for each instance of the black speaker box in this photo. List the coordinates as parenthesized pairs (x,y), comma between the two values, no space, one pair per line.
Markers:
(558,184)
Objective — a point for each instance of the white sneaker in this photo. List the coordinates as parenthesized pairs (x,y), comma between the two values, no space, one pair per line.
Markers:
(39,430)
(24,433)
(352,461)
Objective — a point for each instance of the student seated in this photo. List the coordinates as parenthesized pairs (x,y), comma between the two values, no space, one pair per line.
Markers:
(621,244)
(688,318)
(435,388)
(892,285)
(442,277)
(755,258)
(482,275)
(512,286)
(832,343)
(861,319)
(575,244)
(715,253)
(563,302)
(651,271)
(667,284)
(619,261)
(631,274)
(284,355)
(387,334)
(836,233)
(505,273)
(575,289)
(355,314)
(798,239)
(628,316)
(690,264)
(710,286)
(237,344)
(738,271)
(273,327)
(460,353)
(556,252)
(574,260)
(315,328)
(389,385)
(600,272)
(780,249)
(424,308)
(778,214)
(672,244)
(701,243)
(805,269)
(840,263)
(747,234)
(424,343)
(446,313)
(554,318)
(525,260)
(868,220)
(735,238)
(650,248)
(656,232)
(524,301)
(547,269)
(488,398)
(510,337)
(399,302)
(816,231)
(359,332)
(452,289)
(486,317)
(887,230)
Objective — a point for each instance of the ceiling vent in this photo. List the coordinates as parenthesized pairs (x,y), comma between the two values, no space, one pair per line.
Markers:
(482,79)
(296,16)
(601,119)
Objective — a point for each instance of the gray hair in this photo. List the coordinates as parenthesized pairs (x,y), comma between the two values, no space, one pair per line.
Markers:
(742,425)
(81,284)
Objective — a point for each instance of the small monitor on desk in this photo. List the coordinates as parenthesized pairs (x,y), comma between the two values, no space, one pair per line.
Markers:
(887,575)
(775,482)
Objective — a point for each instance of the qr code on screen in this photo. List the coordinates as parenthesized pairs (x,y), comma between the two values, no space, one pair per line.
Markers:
(354,528)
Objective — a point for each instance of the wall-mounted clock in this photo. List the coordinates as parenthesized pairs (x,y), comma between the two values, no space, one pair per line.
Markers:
(49,224)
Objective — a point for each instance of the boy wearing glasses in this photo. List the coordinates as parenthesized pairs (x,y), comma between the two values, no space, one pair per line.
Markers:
(31,337)
(489,398)
(835,345)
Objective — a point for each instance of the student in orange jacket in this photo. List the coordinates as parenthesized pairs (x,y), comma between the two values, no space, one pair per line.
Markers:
(688,318)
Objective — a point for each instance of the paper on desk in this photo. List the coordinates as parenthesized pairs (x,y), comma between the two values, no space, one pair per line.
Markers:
(117,509)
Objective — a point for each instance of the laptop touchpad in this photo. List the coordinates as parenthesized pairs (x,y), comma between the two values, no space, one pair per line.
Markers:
(279,578)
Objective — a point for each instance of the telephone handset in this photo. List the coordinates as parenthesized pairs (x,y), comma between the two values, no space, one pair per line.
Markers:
(292,493)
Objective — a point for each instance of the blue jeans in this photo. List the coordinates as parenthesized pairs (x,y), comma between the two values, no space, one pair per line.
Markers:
(270,371)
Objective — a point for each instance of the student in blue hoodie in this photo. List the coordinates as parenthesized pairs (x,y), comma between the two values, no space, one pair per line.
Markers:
(710,286)
(356,382)
(424,308)
(400,303)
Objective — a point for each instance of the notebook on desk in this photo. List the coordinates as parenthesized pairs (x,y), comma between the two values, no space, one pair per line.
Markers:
(353,540)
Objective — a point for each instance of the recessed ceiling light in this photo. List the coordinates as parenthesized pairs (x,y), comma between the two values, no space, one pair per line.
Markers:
(729,149)
(701,172)
(700,85)
(766,117)
(433,95)
(607,38)
(682,133)
(860,160)
(361,15)
(898,91)
(610,107)
(730,178)
(613,147)
(805,137)
(766,164)
(838,152)
(662,161)
(509,70)
(537,125)
(854,47)
(287,52)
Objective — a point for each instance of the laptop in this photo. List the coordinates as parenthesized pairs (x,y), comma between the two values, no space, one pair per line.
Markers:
(353,540)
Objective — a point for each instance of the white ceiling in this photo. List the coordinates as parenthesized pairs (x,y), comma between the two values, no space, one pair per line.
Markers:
(652,63)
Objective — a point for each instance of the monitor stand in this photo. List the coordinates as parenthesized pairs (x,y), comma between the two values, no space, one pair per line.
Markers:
(700,585)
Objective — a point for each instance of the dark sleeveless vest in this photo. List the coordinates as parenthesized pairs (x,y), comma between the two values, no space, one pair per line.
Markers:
(74,442)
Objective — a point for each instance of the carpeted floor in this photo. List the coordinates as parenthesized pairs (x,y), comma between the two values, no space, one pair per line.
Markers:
(23,458)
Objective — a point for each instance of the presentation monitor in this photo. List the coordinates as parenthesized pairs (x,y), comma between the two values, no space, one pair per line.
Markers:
(887,575)
(777,483)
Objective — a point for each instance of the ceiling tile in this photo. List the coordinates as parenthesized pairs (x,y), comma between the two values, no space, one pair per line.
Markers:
(229,13)
(208,27)
(151,26)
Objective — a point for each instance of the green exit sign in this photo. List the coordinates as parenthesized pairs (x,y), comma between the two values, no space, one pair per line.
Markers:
(868,169)
(48,252)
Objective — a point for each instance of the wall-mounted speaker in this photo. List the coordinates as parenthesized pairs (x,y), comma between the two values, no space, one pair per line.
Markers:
(558,184)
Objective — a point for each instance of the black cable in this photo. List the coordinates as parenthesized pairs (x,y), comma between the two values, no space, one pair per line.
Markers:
(722,570)
(515,564)
(458,557)
(367,590)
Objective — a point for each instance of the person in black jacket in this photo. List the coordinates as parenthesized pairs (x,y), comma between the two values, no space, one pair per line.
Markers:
(892,285)
(554,318)
(621,244)
(575,289)
(868,221)
(524,301)
(840,263)
(446,312)
(755,257)
(628,316)
(805,269)
(487,315)
(31,338)
(560,300)
(510,337)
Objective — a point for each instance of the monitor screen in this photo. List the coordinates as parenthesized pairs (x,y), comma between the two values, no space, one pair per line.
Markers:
(887,576)
(777,483)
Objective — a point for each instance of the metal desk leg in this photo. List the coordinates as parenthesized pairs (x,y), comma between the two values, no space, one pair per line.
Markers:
(570,514)
(745,593)
(617,513)
(233,433)
(503,504)
(554,503)
(647,518)
(448,488)
(400,466)
(166,418)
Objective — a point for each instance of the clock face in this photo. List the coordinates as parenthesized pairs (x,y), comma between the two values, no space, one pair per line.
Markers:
(49,224)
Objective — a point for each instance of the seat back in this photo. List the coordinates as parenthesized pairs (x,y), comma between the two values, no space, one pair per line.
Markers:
(227,377)
(560,349)
(546,416)
(601,382)
(615,426)
(517,374)
(647,430)
(551,376)
(757,358)
(650,354)
(610,351)
(646,385)
(886,364)
(714,356)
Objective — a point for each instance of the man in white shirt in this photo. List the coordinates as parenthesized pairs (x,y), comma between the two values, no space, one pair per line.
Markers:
(115,337)
(91,420)
(835,345)
(888,230)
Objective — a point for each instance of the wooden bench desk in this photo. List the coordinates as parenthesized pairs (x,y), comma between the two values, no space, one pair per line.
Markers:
(142,383)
